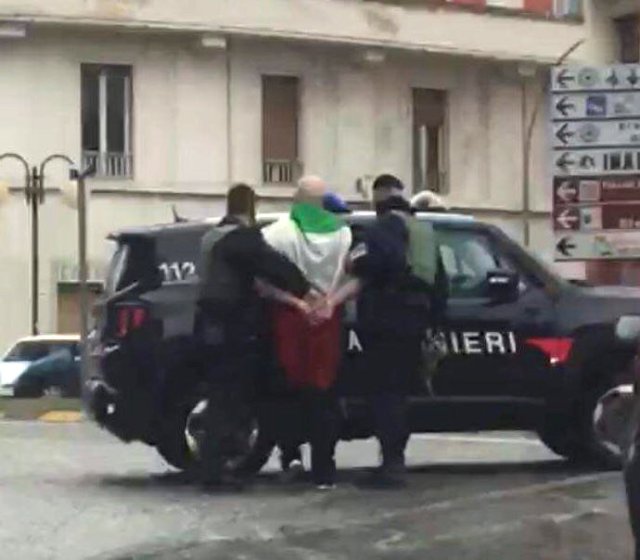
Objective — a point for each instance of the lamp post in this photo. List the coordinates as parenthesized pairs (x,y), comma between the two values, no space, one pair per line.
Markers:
(81,199)
(35,194)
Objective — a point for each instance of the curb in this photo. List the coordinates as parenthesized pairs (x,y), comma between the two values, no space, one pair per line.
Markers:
(45,409)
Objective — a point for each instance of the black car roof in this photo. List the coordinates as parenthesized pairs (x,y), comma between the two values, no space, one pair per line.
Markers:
(198,225)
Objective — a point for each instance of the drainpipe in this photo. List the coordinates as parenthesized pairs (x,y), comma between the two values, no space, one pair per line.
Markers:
(228,63)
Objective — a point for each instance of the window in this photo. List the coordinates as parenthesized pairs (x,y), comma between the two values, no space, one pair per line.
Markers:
(280,107)
(106,119)
(30,351)
(429,140)
(567,8)
(628,29)
(467,257)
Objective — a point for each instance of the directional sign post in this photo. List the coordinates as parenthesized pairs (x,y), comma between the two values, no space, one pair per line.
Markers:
(595,134)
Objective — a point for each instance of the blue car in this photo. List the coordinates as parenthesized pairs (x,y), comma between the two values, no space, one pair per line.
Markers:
(40,365)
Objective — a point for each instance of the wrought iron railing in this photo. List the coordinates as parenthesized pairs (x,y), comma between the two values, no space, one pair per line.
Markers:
(281,171)
(109,164)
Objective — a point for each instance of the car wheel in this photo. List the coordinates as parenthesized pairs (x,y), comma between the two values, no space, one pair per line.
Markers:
(171,442)
(257,447)
(29,390)
(576,438)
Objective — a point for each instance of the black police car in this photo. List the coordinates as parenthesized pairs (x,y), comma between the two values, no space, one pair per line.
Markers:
(521,348)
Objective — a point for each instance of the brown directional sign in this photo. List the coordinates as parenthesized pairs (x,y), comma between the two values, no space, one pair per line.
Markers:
(619,216)
(596,204)
(586,190)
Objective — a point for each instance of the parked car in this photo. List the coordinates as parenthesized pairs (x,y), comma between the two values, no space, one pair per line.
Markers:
(521,349)
(37,365)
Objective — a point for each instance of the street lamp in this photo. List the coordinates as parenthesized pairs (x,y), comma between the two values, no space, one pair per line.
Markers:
(35,194)
(4,192)
(80,202)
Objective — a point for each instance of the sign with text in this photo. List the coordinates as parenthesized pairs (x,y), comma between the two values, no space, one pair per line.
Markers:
(595,136)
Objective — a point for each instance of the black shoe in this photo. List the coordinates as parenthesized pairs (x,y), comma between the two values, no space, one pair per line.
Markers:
(225,483)
(385,479)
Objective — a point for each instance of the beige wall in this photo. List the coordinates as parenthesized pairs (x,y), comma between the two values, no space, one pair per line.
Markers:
(356,120)
(446,31)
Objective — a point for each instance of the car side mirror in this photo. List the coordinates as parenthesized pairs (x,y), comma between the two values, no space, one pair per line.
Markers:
(503,285)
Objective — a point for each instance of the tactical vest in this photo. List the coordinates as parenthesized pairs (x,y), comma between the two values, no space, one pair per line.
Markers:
(422,251)
(217,281)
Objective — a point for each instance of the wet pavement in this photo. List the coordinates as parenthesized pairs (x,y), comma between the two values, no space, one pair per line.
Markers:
(72,492)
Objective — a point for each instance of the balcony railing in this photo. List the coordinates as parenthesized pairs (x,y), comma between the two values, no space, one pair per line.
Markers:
(109,164)
(281,171)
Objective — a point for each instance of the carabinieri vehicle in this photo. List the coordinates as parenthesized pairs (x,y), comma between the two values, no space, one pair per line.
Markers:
(521,348)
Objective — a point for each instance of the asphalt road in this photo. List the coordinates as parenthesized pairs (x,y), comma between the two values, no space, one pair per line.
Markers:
(72,492)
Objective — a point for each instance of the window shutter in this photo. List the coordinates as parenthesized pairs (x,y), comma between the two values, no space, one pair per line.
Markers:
(544,7)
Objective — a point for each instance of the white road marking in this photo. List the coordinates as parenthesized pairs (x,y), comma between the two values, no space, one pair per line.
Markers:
(509,493)
(500,528)
(477,439)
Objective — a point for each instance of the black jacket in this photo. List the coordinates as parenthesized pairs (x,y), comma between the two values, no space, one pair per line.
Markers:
(394,300)
(233,256)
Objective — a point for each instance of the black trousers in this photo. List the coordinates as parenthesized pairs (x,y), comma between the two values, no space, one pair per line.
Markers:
(391,427)
(231,359)
(393,362)
(323,415)
(303,416)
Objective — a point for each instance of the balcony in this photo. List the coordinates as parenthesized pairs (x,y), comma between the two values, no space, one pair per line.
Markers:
(281,172)
(109,165)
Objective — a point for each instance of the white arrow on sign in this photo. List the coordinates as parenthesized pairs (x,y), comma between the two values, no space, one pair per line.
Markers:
(567,192)
(566,219)
(585,78)
(598,161)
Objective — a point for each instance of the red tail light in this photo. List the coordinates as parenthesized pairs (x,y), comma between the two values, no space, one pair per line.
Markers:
(557,349)
(129,318)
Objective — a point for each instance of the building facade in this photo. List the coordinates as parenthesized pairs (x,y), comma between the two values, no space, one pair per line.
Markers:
(174,102)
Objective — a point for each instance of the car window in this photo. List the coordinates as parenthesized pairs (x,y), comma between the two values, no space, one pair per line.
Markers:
(30,351)
(116,269)
(467,257)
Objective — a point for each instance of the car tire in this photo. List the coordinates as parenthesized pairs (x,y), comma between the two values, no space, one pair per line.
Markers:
(575,437)
(171,443)
(29,390)
(260,449)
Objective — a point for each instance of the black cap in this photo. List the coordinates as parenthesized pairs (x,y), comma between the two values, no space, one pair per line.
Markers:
(393,203)
(387,181)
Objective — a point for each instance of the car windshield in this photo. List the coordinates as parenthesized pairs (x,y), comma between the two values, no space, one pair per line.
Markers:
(30,351)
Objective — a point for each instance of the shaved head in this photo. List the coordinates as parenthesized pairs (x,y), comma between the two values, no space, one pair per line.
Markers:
(311,190)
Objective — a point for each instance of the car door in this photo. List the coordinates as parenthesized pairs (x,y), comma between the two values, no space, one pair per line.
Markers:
(483,339)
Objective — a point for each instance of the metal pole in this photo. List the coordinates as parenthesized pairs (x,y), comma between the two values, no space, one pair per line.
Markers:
(83,276)
(34,201)
(526,175)
(528,140)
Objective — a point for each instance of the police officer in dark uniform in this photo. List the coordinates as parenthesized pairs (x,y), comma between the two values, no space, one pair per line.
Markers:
(399,299)
(230,324)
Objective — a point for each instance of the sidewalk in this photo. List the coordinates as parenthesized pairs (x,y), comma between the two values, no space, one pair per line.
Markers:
(45,409)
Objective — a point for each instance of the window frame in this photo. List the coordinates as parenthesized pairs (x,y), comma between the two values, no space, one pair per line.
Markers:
(503,252)
(122,165)
(442,135)
(295,165)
